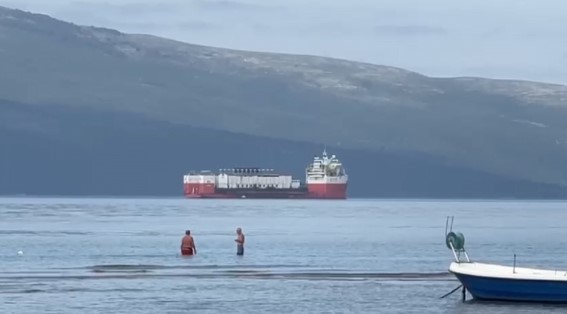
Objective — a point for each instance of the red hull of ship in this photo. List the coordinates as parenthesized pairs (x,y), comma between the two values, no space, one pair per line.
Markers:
(334,191)
(314,191)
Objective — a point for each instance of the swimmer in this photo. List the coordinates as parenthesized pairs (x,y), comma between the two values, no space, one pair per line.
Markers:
(188,244)
(239,242)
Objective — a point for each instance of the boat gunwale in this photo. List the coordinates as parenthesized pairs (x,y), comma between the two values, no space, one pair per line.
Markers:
(558,276)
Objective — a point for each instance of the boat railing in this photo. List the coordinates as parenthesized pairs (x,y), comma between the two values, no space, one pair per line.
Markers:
(455,241)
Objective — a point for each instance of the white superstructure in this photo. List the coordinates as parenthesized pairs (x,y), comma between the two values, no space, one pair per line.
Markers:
(326,170)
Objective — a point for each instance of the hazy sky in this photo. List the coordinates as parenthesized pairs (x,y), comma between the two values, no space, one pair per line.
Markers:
(491,38)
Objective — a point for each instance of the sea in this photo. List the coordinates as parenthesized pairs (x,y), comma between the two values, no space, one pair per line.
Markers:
(108,255)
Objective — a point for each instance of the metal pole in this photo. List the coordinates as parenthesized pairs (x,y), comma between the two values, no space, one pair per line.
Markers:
(454,253)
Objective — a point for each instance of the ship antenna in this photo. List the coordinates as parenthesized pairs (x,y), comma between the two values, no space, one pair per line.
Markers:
(325,151)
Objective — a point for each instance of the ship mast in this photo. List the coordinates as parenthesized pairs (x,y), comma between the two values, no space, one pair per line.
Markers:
(325,160)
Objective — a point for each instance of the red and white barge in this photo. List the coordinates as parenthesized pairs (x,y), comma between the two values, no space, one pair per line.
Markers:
(325,178)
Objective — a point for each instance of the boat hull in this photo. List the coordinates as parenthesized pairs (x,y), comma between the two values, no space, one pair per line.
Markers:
(197,191)
(263,194)
(523,286)
(330,191)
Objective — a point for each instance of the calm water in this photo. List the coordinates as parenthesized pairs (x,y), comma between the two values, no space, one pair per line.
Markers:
(356,256)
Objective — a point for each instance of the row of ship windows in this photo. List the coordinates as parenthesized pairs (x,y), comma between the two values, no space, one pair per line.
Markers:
(256,186)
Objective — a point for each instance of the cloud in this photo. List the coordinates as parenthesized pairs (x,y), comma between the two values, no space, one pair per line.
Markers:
(408,30)
(199,25)
(306,29)
(232,5)
(148,27)
(126,8)
(262,28)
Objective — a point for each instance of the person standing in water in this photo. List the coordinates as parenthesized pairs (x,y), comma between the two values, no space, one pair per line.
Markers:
(188,244)
(239,242)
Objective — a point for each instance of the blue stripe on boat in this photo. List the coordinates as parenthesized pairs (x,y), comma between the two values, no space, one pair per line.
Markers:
(510,289)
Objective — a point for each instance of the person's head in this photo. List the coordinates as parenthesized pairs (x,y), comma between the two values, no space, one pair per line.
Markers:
(187,232)
(238,230)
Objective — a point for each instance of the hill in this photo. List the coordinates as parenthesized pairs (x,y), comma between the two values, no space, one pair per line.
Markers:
(132,112)
(70,151)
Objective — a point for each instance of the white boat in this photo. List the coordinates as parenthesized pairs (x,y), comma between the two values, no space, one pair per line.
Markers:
(504,283)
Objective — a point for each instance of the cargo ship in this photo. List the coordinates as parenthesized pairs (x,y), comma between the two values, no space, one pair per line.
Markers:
(325,178)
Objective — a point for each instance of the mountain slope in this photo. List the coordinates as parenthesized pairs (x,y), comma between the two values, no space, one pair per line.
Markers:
(504,129)
(75,151)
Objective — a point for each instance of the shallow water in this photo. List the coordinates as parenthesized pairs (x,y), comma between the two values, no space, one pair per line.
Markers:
(355,256)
